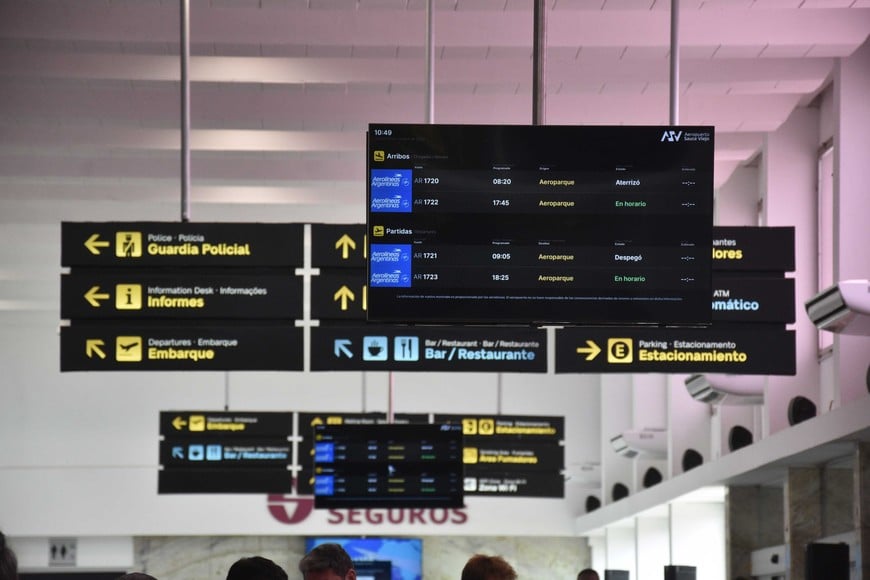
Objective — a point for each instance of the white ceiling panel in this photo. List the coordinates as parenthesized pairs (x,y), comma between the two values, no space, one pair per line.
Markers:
(282,90)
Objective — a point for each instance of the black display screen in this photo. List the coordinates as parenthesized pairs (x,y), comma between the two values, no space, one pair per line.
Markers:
(394,465)
(539,224)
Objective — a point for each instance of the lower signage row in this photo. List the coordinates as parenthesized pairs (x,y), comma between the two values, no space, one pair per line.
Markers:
(254,452)
(738,350)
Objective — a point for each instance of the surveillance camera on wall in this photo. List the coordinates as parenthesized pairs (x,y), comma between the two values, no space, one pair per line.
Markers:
(722,389)
(651,443)
(843,308)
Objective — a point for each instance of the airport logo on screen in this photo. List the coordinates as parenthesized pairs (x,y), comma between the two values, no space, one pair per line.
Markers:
(672,136)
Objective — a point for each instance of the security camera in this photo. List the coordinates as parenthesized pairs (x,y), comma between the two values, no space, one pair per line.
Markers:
(843,308)
(648,442)
(723,389)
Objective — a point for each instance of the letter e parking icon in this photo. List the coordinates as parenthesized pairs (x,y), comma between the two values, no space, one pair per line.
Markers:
(620,350)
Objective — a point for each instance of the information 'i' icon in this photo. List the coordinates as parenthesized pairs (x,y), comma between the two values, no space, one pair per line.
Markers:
(128,296)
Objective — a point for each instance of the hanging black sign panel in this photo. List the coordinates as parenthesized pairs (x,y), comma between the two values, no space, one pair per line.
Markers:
(191,348)
(225,452)
(226,424)
(530,427)
(160,244)
(513,455)
(753,249)
(418,348)
(757,350)
(481,481)
(516,455)
(213,453)
(339,295)
(180,295)
(338,246)
(746,300)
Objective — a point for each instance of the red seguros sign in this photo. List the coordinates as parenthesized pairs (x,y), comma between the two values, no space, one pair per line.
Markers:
(294,509)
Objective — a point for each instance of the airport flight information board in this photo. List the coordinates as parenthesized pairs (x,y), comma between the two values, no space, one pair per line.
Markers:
(362,466)
(540,224)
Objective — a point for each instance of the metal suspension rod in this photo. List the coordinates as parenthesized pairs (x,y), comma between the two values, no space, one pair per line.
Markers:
(185,111)
(539,80)
(430,63)
(674,116)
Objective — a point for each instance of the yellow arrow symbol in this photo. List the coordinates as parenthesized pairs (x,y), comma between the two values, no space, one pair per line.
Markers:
(179,423)
(344,294)
(94,243)
(92,347)
(346,243)
(591,350)
(93,296)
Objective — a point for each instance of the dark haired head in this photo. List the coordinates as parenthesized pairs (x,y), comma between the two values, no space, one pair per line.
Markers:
(327,557)
(587,574)
(256,568)
(136,576)
(8,561)
(480,567)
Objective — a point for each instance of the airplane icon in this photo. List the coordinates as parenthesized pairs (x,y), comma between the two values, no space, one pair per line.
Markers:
(128,348)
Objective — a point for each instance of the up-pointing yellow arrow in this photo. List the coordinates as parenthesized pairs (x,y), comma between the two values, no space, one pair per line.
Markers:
(344,294)
(94,243)
(591,350)
(92,347)
(94,296)
(346,243)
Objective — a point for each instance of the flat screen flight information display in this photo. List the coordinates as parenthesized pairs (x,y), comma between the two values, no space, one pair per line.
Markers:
(393,465)
(540,224)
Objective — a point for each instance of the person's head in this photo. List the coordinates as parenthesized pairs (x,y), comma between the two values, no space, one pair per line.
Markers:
(136,576)
(327,562)
(8,561)
(587,574)
(256,568)
(480,567)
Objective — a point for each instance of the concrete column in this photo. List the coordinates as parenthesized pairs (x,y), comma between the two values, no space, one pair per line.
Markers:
(754,520)
(803,517)
(736,202)
(851,207)
(861,503)
(689,425)
(650,411)
(621,549)
(616,417)
(789,176)
(653,546)
(837,500)
(698,538)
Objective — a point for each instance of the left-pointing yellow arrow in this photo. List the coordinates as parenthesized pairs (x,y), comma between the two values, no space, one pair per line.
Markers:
(94,296)
(94,243)
(92,347)
(591,350)
(178,423)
